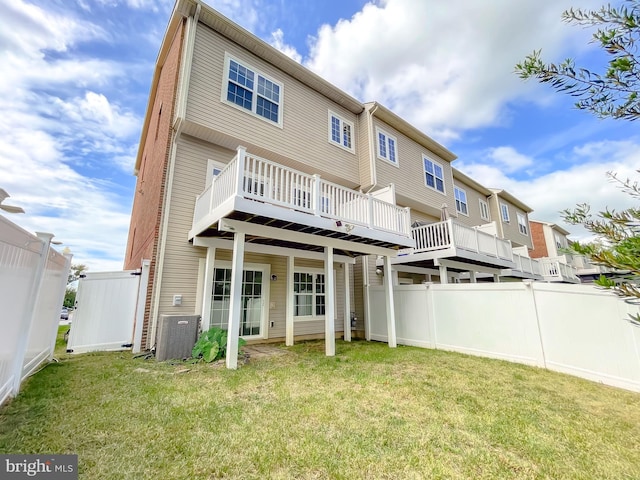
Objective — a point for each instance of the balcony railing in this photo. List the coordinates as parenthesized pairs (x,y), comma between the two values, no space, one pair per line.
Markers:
(256,178)
(451,234)
(526,264)
(552,267)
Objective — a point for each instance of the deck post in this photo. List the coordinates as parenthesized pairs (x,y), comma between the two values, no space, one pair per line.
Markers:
(391,314)
(370,221)
(496,278)
(472,276)
(347,303)
(208,288)
(444,278)
(235,306)
(290,302)
(240,156)
(329,315)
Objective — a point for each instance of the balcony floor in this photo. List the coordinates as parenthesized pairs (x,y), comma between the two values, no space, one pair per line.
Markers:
(359,243)
(454,255)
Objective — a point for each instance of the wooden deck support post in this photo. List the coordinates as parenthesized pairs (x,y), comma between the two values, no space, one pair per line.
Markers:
(235,306)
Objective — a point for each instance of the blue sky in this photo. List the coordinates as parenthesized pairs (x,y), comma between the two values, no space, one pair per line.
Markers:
(76,76)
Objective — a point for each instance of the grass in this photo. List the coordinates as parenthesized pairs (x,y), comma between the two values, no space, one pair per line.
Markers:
(369,412)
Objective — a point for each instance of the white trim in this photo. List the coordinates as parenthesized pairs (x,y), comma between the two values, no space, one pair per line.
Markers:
(313,318)
(435,183)
(524,224)
(224,244)
(395,147)
(466,200)
(211,165)
(502,212)
(484,208)
(343,122)
(265,268)
(225,85)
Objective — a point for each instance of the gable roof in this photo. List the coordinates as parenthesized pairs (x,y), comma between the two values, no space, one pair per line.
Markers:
(457,174)
(511,199)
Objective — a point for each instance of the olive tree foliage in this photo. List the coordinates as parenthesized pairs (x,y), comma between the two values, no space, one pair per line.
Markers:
(610,94)
(613,93)
(617,247)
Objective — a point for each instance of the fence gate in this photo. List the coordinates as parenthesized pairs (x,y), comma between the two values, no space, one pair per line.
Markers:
(107,310)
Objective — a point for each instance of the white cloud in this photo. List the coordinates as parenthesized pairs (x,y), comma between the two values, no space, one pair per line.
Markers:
(444,66)
(584,181)
(508,159)
(277,41)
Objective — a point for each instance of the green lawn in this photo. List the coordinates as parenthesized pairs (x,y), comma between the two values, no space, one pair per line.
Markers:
(370,412)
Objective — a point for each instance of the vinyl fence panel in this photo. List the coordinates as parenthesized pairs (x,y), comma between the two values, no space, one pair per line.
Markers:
(575,329)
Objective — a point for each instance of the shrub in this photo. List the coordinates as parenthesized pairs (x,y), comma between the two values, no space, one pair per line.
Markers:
(212,345)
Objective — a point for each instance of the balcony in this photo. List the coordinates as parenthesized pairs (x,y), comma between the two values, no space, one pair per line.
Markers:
(259,191)
(554,269)
(525,267)
(457,245)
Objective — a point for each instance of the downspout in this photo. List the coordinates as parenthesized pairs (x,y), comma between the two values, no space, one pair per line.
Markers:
(180,111)
(372,148)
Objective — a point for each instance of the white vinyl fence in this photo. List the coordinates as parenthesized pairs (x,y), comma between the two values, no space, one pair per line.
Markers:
(574,329)
(110,309)
(33,277)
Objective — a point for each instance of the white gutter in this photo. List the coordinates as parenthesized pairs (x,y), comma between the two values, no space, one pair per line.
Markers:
(372,148)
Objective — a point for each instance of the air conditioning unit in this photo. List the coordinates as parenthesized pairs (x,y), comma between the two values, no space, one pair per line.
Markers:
(176,336)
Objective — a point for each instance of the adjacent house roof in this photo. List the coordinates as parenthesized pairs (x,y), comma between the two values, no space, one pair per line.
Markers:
(510,198)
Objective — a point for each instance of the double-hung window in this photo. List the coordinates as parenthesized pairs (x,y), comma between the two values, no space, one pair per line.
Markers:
(504,212)
(249,89)
(484,210)
(309,294)
(387,146)
(522,224)
(561,242)
(461,201)
(433,174)
(341,132)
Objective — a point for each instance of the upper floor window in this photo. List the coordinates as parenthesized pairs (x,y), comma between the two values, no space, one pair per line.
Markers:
(213,170)
(561,242)
(484,210)
(434,175)
(461,200)
(504,212)
(522,224)
(341,132)
(249,89)
(387,147)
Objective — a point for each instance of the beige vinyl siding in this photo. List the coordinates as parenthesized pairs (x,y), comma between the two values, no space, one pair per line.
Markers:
(418,216)
(473,205)
(302,142)
(510,230)
(408,176)
(180,262)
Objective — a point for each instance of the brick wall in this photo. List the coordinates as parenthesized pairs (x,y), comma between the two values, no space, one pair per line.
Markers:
(539,244)
(146,215)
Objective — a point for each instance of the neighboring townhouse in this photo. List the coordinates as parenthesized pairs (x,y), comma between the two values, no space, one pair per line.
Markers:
(268,200)
(551,248)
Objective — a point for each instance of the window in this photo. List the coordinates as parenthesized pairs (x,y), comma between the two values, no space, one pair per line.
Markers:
(309,292)
(213,170)
(560,241)
(484,210)
(434,174)
(504,212)
(250,90)
(341,132)
(387,147)
(522,224)
(461,200)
